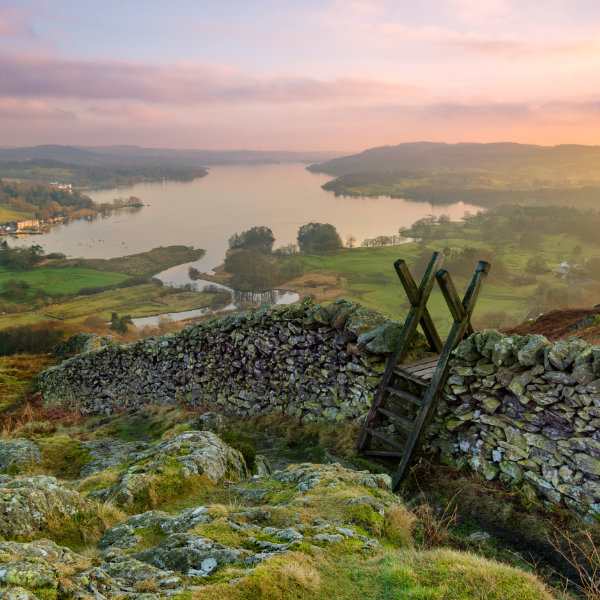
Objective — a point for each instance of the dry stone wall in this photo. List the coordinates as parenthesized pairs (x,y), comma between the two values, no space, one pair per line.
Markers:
(527,412)
(310,361)
(517,409)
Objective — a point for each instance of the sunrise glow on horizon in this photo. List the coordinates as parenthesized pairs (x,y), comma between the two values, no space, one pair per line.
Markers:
(337,75)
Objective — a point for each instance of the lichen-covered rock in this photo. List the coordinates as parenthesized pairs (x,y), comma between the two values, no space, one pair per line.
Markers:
(125,535)
(104,454)
(36,570)
(16,454)
(196,542)
(190,453)
(16,593)
(533,350)
(28,506)
(190,554)
(307,476)
(83,342)
(127,570)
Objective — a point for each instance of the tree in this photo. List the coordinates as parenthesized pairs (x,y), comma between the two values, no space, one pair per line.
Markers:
(120,323)
(259,238)
(318,237)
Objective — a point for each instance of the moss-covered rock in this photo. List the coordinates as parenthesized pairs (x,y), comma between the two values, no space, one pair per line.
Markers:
(31,506)
(156,472)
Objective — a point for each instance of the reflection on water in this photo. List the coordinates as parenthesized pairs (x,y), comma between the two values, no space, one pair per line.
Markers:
(260,298)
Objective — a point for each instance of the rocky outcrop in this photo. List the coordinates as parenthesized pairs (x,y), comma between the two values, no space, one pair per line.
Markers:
(104,454)
(187,454)
(310,361)
(527,412)
(30,505)
(156,555)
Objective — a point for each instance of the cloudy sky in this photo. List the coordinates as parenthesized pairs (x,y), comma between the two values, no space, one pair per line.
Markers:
(298,75)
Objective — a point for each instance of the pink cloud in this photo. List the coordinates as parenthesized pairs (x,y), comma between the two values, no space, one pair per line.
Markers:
(14,22)
(179,83)
(18,108)
(136,112)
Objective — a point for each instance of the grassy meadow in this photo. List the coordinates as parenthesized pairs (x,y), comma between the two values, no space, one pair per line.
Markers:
(60,296)
(522,282)
(136,301)
(58,281)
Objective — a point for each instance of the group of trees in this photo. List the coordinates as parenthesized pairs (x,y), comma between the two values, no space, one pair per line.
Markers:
(252,261)
(259,239)
(43,201)
(20,259)
(382,240)
(312,239)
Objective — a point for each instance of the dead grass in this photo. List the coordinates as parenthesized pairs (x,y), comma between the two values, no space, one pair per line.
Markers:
(322,286)
(435,525)
(18,378)
(85,528)
(583,554)
(398,525)
(32,418)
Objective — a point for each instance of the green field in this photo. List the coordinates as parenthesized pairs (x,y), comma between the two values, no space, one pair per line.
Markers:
(54,286)
(372,281)
(8,214)
(137,301)
(55,280)
(144,264)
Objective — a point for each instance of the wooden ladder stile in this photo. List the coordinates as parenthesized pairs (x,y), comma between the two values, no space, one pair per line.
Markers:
(428,375)
(418,300)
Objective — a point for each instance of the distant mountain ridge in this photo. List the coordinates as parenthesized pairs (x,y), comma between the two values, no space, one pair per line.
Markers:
(438,156)
(150,157)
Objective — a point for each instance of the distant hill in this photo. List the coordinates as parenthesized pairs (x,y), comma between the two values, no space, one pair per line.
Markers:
(431,156)
(193,158)
(154,157)
(112,166)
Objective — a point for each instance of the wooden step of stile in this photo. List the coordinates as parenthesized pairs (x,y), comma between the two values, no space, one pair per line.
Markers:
(384,454)
(386,438)
(404,395)
(390,414)
(410,377)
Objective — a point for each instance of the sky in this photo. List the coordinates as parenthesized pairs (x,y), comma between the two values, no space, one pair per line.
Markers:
(298,75)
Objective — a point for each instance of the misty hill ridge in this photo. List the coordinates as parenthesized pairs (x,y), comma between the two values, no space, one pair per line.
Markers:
(434,155)
(166,157)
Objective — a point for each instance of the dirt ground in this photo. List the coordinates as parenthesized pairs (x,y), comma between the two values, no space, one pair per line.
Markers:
(322,286)
(561,324)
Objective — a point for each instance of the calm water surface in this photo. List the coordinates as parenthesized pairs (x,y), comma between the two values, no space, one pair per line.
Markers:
(204,213)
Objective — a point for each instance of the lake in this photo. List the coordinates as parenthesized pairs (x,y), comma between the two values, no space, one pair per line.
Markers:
(205,212)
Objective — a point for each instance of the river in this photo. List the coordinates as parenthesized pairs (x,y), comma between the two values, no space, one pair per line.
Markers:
(205,212)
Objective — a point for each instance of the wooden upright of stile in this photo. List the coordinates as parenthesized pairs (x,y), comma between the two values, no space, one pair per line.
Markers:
(408,392)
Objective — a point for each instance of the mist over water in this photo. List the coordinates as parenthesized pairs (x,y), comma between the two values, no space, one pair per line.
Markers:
(205,212)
